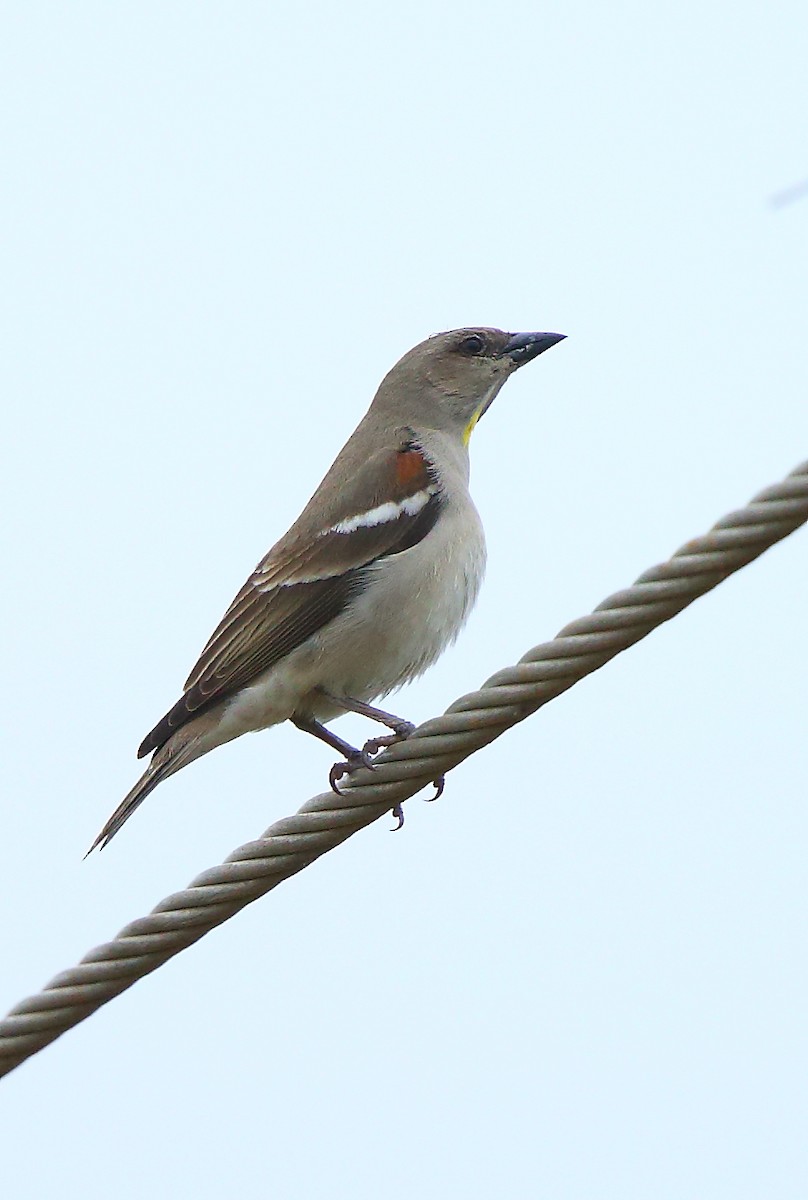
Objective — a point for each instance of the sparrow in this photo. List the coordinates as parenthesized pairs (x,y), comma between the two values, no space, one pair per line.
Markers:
(371,583)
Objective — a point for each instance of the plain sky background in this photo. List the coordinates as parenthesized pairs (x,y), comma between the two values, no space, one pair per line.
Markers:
(583,972)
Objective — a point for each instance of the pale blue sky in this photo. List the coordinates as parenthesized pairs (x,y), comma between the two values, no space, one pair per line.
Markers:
(583,972)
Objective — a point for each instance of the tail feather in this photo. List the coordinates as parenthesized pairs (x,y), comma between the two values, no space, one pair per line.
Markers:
(186,744)
(155,773)
(189,743)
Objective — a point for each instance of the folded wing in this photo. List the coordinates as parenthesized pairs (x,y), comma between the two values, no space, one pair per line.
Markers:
(310,576)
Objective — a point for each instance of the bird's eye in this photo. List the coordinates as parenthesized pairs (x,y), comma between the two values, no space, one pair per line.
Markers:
(471,345)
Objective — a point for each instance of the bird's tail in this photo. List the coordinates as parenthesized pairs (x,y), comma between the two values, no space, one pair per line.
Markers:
(155,773)
(188,743)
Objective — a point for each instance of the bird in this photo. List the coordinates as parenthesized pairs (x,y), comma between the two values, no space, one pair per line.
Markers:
(371,583)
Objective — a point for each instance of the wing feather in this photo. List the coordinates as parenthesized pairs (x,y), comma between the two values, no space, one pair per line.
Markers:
(308,578)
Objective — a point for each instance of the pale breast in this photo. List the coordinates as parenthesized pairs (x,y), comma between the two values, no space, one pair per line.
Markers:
(414,607)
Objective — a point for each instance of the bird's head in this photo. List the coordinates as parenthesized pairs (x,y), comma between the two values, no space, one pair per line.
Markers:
(450,380)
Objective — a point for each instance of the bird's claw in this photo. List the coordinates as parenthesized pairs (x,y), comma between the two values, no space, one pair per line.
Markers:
(398,812)
(347,767)
(364,758)
(438,784)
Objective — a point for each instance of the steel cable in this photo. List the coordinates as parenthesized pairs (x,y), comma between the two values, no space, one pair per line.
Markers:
(436,747)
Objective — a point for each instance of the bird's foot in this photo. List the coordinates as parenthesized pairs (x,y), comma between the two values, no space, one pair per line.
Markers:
(402,731)
(364,758)
(400,734)
(354,762)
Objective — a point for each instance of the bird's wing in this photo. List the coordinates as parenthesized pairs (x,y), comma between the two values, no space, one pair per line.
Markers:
(310,576)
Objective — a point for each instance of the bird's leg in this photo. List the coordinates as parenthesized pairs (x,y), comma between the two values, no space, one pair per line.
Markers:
(401,731)
(401,728)
(353,758)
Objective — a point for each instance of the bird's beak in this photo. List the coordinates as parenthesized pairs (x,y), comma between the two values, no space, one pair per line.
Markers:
(523,347)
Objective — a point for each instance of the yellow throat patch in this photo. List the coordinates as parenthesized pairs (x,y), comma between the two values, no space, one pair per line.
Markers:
(469,430)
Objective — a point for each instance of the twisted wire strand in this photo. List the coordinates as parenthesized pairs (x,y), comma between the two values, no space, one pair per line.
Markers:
(436,747)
